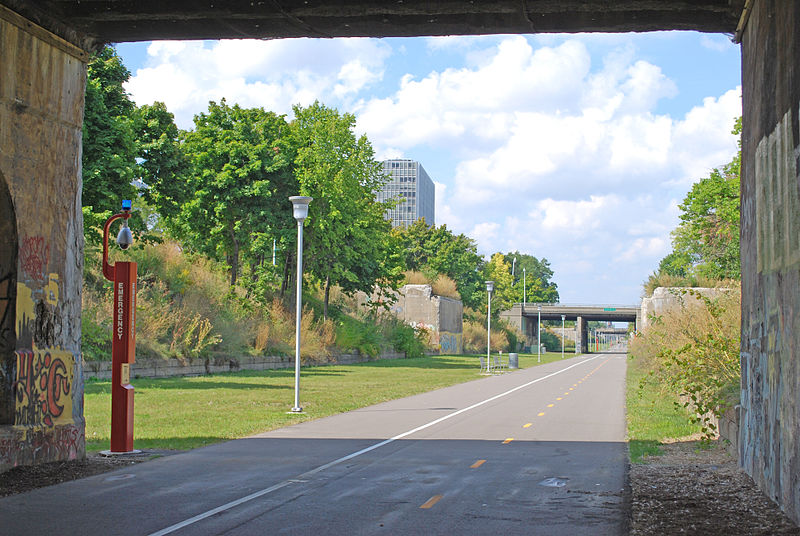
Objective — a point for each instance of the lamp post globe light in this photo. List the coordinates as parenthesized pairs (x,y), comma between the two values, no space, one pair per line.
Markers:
(489,289)
(300,209)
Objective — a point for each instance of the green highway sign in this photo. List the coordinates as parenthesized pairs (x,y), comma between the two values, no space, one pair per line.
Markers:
(609,308)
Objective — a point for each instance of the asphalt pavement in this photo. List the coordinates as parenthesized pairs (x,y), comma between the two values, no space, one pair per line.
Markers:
(535,451)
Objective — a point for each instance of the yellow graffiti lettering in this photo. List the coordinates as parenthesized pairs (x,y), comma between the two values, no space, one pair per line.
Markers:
(51,290)
(25,312)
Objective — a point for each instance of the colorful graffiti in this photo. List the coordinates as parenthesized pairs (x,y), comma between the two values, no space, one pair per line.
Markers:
(39,321)
(25,445)
(5,299)
(34,256)
(777,200)
(43,386)
(450,343)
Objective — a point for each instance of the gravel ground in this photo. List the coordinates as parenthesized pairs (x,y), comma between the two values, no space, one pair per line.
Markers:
(27,478)
(687,490)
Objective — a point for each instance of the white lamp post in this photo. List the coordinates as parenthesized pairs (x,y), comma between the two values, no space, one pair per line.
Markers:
(563,317)
(539,334)
(300,206)
(524,299)
(489,289)
(578,336)
(524,290)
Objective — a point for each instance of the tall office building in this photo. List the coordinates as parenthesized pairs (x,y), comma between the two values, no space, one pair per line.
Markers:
(411,185)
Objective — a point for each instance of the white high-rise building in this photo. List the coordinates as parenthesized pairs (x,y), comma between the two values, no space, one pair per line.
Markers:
(413,188)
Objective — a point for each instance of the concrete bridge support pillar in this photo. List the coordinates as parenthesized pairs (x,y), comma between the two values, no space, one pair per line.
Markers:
(582,334)
(41,114)
(769,432)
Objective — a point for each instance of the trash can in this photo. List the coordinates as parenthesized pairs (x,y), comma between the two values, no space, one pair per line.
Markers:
(513,361)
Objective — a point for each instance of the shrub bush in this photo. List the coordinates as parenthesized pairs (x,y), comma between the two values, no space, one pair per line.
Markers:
(551,341)
(475,338)
(692,353)
(95,329)
(407,339)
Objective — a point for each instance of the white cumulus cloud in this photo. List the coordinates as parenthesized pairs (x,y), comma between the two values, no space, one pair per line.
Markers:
(271,74)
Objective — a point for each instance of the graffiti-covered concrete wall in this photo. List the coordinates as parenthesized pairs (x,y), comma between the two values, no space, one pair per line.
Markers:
(769,433)
(41,112)
(441,316)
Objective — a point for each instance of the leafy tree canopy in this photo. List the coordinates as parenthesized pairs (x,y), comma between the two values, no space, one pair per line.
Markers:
(109,146)
(536,275)
(437,250)
(498,269)
(348,240)
(708,234)
(240,174)
(163,166)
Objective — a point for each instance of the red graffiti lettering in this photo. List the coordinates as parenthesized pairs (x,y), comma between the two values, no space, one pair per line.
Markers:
(34,255)
(42,385)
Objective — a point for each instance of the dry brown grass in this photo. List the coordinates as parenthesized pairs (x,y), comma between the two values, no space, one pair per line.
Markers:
(689,324)
(416,278)
(441,285)
(275,335)
(691,352)
(444,286)
(475,338)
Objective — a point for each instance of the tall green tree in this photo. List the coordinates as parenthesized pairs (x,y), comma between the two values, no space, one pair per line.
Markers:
(348,240)
(240,170)
(709,228)
(163,166)
(109,145)
(498,269)
(676,264)
(437,250)
(508,287)
(536,275)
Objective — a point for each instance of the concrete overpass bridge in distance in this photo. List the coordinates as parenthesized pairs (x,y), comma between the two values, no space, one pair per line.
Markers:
(525,317)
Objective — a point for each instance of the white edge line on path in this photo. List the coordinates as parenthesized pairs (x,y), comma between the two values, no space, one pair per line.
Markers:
(276,487)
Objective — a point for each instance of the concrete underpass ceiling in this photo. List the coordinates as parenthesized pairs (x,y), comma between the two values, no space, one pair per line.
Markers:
(89,23)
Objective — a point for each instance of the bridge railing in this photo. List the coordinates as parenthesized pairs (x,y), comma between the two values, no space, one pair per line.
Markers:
(592,305)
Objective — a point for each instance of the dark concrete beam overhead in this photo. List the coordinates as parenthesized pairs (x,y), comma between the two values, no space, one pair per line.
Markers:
(88,23)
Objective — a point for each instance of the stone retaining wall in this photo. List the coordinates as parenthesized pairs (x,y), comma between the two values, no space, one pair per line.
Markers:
(162,368)
(729,430)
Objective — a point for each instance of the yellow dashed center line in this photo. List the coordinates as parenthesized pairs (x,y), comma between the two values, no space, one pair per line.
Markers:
(508,440)
(430,502)
(559,398)
(477,464)
(550,405)
(541,414)
(527,425)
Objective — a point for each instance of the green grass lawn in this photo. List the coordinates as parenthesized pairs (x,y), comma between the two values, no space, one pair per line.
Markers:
(652,416)
(185,413)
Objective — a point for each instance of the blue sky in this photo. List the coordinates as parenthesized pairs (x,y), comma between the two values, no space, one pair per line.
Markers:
(576,148)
